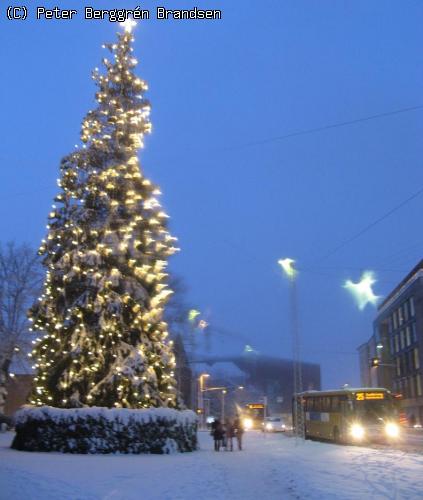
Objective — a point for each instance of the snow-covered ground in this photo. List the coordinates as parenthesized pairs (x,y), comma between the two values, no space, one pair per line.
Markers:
(270,467)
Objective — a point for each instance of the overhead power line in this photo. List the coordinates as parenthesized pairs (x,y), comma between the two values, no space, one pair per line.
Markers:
(326,127)
(370,226)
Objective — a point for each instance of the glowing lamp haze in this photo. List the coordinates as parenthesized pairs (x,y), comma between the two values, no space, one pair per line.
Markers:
(288,267)
(362,291)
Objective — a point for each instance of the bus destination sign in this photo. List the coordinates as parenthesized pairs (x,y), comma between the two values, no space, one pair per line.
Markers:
(364,396)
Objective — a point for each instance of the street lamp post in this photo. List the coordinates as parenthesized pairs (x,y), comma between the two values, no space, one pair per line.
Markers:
(222,413)
(222,398)
(201,389)
(290,271)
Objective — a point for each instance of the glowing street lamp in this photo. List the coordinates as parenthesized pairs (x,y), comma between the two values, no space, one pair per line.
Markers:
(362,290)
(287,265)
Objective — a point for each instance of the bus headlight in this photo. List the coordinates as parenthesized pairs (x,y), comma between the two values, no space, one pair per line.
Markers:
(357,431)
(269,426)
(247,423)
(392,430)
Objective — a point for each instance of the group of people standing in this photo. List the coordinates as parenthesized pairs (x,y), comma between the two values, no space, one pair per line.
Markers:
(224,433)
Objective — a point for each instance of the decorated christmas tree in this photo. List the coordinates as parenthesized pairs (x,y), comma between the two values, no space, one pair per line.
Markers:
(102,339)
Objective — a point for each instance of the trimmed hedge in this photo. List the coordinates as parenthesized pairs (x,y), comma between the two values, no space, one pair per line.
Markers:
(104,430)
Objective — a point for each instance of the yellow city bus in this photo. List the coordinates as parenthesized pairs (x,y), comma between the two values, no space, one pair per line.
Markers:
(253,416)
(349,415)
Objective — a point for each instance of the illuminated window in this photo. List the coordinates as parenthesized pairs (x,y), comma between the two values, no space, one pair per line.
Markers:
(416,358)
(419,385)
(400,316)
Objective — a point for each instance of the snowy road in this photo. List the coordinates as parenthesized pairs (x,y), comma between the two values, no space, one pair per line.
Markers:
(271,467)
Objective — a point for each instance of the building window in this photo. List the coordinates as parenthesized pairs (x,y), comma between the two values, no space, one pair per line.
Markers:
(413,330)
(412,387)
(398,367)
(408,336)
(392,344)
(402,338)
(405,306)
(416,358)
(394,317)
(406,365)
(400,316)
(412,311)
(396,343)
(419,385)
(406,391)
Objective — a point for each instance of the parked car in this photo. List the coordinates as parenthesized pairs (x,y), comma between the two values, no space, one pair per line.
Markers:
(274,424)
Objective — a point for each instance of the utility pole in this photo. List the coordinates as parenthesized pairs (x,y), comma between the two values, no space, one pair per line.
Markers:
(201,390)
(222,416)
(298,411)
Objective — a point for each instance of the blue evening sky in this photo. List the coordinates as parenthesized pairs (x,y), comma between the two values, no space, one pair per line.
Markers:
(268,68)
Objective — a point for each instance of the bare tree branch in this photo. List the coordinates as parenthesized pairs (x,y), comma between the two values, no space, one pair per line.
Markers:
(20,281)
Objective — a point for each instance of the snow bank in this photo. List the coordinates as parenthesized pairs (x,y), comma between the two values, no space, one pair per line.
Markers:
(105,430)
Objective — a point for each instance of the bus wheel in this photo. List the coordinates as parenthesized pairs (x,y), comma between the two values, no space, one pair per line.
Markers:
(336,436)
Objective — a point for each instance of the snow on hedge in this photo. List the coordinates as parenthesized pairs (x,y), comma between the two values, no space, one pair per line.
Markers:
(123,415)
(105,430)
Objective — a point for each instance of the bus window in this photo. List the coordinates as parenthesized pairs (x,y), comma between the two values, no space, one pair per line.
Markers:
(335,403)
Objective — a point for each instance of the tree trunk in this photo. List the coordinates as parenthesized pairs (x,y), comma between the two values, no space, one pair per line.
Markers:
(4,372)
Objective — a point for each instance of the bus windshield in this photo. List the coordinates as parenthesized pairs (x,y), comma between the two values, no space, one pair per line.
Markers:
(374,411)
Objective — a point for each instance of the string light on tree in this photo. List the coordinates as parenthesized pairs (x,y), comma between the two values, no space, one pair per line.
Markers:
(103,341)
(128,25)
(362,291)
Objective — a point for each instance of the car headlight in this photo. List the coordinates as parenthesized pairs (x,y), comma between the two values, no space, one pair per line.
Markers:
(357,431)
(392,430)
(269,426)
(248,423)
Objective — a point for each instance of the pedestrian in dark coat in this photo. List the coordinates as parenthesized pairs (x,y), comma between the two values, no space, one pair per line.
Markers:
(217,433)
(239,431)
(230,434)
